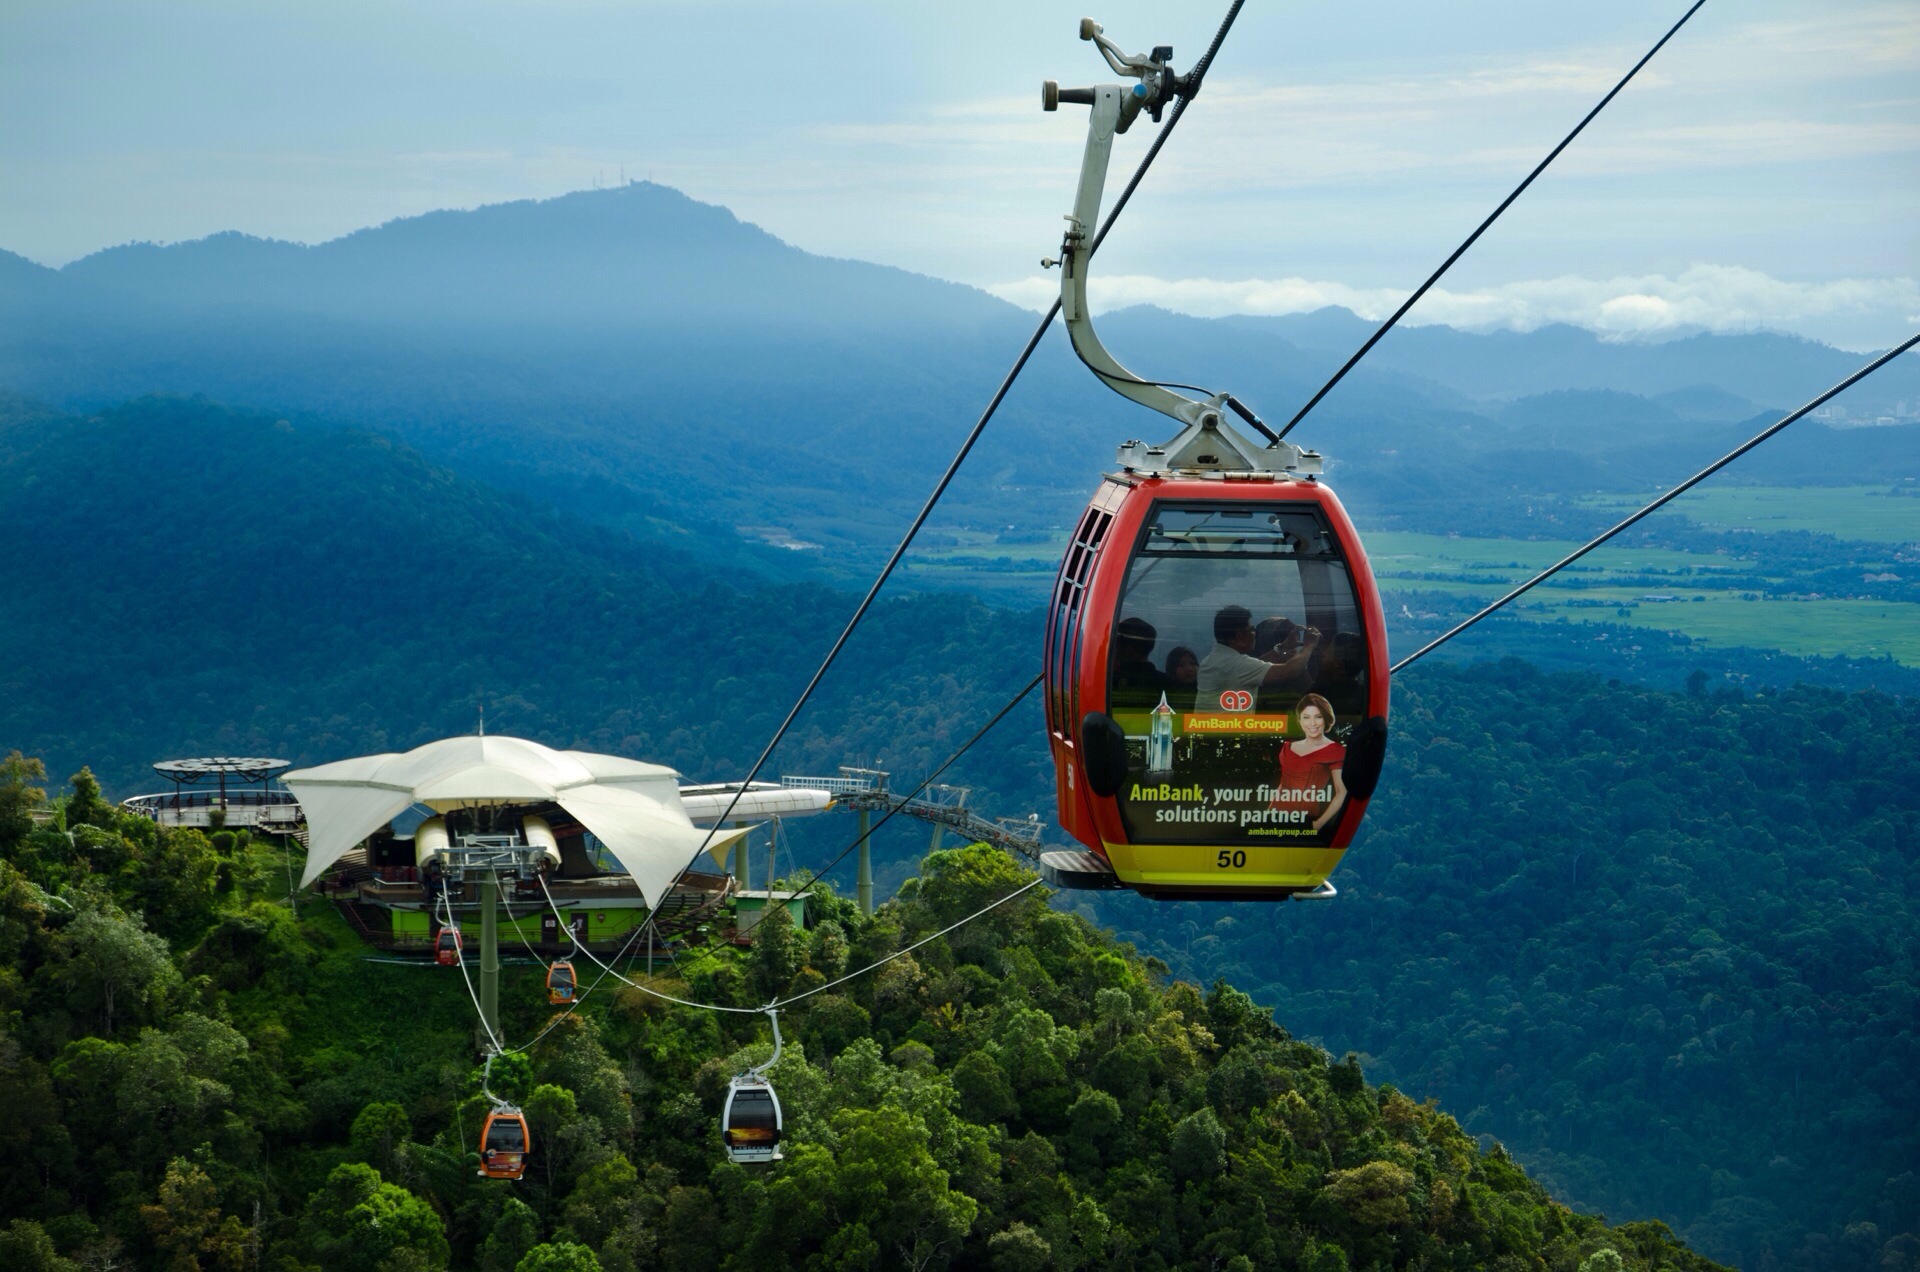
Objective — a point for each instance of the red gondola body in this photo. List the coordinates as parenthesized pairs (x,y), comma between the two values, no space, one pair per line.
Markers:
(1263,844)
(446,947)
(504,1144)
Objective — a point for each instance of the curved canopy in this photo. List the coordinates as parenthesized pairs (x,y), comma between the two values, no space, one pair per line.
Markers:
(633,808)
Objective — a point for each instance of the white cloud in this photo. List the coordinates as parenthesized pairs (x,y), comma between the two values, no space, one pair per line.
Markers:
(1852,312)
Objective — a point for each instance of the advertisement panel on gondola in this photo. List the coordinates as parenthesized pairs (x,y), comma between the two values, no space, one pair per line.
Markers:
(1240,745)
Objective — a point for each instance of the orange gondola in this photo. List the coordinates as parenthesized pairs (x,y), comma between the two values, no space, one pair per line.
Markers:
(504,1144)
(561,985)
(446,947)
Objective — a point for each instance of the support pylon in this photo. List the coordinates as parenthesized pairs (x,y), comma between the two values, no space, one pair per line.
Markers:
(490,952)
(865,890)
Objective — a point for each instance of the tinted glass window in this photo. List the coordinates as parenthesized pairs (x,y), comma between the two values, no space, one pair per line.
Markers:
(1238,666)
(504,1136)
(752,1111)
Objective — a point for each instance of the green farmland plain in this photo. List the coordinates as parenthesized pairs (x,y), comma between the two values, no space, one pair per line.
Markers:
(1877,514)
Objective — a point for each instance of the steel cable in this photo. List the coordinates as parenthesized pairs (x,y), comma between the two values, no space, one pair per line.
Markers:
(1663,500)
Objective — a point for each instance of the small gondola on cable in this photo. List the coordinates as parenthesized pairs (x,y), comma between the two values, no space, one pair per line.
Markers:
(446,947)
(504,1143)
(750,1121)
(561,983)
(1216,655)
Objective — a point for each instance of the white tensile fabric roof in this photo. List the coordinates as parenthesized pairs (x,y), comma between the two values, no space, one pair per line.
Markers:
(633,808)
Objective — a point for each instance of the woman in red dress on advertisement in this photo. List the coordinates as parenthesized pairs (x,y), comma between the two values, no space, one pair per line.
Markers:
(1310,780)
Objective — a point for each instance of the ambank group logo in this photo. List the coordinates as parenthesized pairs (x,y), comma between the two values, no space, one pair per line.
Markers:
(1236,700)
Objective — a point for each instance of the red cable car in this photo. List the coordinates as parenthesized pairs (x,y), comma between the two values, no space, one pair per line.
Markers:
(446,947)
(504,1144)
(1216,656)
(560,983)
(1216,675)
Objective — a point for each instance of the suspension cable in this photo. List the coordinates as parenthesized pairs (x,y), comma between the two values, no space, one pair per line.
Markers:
(1474,237)
(778,1003)
(1663,500)
(460,953)
(994,905)
(610,970)
(1194,78)
(505,905)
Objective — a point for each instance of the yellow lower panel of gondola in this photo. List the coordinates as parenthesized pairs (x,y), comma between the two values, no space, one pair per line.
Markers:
(1203,867)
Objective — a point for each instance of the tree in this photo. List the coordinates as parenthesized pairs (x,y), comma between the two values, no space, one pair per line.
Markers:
(515,1232)
(19,798)
(84,806)
(562,1256)
(116,968)
(1019,1248)
(186,1223)
(986,1096)
(377,1134)
(779,952)
(889,1181)
(1199,1147)
(356,1222)
(1371,1195)
(26,1247)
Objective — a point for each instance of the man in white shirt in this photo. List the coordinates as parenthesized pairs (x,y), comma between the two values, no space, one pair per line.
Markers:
(1231,664)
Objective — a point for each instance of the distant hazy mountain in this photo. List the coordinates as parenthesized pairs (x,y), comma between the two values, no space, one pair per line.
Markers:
(654,362)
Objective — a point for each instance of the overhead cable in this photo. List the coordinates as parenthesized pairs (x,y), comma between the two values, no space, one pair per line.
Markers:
(1194,78)
(460,952)
(1663,500)
(777,1003)
(1474,237)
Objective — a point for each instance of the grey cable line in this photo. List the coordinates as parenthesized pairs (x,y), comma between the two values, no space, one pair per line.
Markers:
(461,951)
(1474,237)
(522,935)
(611,971)
(1194,78)
(1664,499)
(777,1003)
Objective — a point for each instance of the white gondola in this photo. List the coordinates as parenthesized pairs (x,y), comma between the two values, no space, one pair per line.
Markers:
(751,1120)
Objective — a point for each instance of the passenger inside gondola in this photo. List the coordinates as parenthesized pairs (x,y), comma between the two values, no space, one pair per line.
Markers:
(1232,664)
(1137,683)
(1339,673)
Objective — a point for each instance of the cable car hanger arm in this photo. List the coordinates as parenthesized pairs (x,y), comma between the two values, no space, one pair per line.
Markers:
(1112,110)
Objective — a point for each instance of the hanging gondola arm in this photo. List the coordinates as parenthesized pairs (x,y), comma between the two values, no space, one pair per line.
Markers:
(1205,442)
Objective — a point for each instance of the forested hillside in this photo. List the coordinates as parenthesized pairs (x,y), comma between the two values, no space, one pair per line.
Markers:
(197,581)
(1663,945)
(199,1077)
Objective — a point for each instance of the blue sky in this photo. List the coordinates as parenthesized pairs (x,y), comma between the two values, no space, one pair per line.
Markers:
(1764,170)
